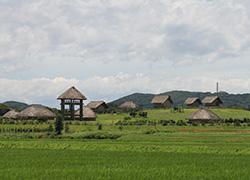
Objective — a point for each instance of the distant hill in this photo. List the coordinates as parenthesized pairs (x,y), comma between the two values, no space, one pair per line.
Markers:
(178,97)
(16,105)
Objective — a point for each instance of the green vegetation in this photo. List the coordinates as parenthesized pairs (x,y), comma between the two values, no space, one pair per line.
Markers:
(16,105)
(162,155)
(168,114)
(3,109)
(161,145)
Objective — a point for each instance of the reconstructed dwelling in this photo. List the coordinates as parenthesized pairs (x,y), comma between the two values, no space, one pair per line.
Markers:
(35,111)
(12,114)
(193,102)
(88,114)
(72,97)
(162,101)
(212,101)
(203,114)
(129,105)
(98,106)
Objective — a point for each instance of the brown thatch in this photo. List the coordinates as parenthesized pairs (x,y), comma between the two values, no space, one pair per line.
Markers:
(191,101)
(212,101)
(129,105)
(88,113)
(12,114)
(72,93)
(203,114)
(96,104)
(35,111)
(161,99)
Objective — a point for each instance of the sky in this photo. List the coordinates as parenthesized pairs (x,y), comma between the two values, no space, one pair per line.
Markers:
(110,49)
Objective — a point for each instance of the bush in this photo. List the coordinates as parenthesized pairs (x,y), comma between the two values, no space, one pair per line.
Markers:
(42,119)
(59,124)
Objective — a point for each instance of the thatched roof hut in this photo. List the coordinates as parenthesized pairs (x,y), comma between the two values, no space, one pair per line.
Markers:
(98,106)
(193,102)
(88,114)
(35,111)
(203,114)
(129,105)
(71,97)
(212,101)
(72,93)
(12,114)
(162,101)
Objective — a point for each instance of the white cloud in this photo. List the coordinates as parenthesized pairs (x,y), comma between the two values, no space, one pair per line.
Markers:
(183,32)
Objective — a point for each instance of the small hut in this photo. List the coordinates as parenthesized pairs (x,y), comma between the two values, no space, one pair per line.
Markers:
(129,105)
(212,101)
(34,111)
(88,114)
(12,114)
(193,102)
(72,97)
(203,114)
(98,106)
(162,101)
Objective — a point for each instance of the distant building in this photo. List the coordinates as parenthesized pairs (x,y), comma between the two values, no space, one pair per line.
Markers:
(162,101)
(203,114)
(129,105)
(35,111)
(98,106)
(12,114)
(212,101)
(88,114)
(193,102)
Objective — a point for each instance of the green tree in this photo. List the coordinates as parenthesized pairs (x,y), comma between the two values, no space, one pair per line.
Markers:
(3,109)
(59,124)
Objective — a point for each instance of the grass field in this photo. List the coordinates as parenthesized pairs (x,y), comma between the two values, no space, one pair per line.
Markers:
(166,114)
(219,151)
(171,153)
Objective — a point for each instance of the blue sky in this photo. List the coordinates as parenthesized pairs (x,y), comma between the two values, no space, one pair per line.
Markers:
(114,48)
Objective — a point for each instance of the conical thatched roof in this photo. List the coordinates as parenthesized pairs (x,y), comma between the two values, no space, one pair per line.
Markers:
(211,99)
(72,93)
(190,101)
(203,114)
(96,104)
(12,114)
(161,99)
(35,111)
(88,113)
(129,105)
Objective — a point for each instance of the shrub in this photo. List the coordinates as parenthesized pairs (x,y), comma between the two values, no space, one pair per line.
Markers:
(100,127)
(59,124)
(42,119)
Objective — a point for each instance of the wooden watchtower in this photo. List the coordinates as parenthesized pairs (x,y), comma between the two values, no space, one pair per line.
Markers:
(72,97)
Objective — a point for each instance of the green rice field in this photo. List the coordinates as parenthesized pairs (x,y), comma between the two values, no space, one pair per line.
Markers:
(218,151)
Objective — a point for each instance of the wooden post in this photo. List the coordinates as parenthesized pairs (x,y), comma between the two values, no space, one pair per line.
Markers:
(81,110)
(62,108)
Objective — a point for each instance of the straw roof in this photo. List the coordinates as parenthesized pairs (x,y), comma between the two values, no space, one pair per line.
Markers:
(203,114)
(34,111)
(96,104)
(87,113)
(161,99)
(12,114)
(190,101)
(211,99)
(72,93)
(129,105)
